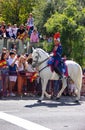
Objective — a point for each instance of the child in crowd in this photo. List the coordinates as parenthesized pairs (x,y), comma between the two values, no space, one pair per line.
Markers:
(71,88)
(12,72)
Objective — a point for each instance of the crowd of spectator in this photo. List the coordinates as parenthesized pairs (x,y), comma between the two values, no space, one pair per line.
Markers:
(13,70)
(20,37)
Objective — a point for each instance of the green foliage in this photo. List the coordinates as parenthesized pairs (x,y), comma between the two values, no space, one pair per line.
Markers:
(71,24)
(16,11)
(47,46)
(50,16)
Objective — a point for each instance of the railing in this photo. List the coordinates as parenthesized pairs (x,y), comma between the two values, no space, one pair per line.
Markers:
(32,86)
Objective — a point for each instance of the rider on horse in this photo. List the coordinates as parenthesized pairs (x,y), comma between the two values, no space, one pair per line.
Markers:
(55,60)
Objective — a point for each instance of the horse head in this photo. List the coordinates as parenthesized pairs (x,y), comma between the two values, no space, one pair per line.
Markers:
(39,56)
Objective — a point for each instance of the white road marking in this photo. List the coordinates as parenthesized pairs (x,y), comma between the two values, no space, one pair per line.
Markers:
(28,125)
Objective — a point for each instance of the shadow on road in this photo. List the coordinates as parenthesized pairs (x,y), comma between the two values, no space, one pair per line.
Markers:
(53,103)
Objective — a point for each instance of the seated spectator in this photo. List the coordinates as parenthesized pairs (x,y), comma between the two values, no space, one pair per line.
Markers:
(9,31)
(21,37)
(12,72)
(14,30)
(21,32)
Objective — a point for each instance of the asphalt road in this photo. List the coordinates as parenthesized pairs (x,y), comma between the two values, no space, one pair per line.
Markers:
(64,114)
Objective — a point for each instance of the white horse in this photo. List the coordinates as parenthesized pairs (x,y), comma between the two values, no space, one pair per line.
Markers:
(40,58)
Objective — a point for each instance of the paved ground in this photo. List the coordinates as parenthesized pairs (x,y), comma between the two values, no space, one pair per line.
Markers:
(63,114)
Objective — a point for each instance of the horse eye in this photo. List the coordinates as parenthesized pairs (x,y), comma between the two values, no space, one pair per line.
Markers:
(35,56)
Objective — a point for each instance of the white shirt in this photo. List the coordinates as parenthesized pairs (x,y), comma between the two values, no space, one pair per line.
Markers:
(10,60)
(30,68)
(9,30)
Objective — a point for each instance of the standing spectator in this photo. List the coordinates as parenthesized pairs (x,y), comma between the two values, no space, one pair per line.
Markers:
(21,66)
(4,72)
(1,89)
(32,83)
(21,32)
(12,72)
(4,49)
(1,34)
(30,23)
(34,40)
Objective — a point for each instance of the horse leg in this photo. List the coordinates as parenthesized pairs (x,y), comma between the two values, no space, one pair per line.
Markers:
(64,84)
(77,95)
(44,84)
(78,90)
(47,95)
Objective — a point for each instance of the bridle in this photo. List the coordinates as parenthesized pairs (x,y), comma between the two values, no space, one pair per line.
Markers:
(37,64)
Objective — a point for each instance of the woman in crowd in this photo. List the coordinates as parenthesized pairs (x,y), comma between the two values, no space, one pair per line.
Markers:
(4,72)
(21,67)
(34,40)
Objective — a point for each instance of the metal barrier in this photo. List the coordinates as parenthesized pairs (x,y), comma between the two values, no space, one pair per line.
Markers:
(31,86)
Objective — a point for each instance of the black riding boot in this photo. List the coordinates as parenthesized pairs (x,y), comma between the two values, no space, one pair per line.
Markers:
(56,69)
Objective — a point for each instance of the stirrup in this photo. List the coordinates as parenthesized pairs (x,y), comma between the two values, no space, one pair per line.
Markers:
(61,77)
(64,77)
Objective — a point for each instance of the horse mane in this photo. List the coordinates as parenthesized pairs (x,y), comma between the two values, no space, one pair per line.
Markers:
(42,51)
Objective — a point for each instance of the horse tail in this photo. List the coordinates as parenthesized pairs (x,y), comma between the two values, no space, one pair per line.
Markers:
(75,72)
(79,80)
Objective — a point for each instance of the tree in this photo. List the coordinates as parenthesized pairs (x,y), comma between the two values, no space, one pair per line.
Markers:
(16,11)
(71,24)
(42,12)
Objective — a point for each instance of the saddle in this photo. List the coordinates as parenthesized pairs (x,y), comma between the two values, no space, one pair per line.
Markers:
(61,69)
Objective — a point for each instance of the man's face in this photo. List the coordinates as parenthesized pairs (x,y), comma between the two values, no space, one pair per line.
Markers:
(56,42)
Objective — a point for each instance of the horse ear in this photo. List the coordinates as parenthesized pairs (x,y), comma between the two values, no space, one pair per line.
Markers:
(33,48)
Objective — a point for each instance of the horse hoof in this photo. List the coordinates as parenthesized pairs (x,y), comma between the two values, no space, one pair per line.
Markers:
(76,101)
(39,101)
(51,97)
(57,98)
